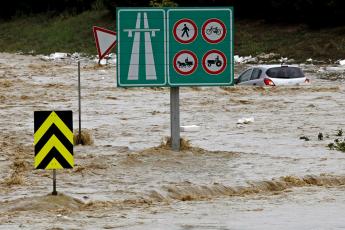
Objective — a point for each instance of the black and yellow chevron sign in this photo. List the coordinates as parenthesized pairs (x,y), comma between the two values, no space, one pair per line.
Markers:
(53,139)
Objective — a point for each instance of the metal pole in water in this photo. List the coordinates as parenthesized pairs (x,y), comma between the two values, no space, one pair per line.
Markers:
(54,193)
(79,101)
(175,118)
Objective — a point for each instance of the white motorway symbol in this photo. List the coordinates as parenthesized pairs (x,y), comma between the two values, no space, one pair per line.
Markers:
(133,72)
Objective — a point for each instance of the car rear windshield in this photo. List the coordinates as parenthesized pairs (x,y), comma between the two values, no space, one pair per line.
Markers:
(285,72)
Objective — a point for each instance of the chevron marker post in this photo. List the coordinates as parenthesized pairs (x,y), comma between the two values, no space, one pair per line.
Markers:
(53,140)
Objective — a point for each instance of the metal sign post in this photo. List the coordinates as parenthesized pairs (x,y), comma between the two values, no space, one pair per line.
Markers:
(79,101)
(54,193)
(175,118)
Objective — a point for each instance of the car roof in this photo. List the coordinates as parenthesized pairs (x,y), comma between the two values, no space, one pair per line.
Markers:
(273,66)
(268,66)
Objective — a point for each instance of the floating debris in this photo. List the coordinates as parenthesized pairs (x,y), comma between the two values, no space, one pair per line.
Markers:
(84,139)
(304,138)
(339,133)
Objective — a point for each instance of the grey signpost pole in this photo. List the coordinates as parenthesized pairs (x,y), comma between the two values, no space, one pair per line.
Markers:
(54,193)
(175,118)
(79,101)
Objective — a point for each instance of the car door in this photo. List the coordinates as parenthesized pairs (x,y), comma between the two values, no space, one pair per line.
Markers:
(255,77)
(244,77)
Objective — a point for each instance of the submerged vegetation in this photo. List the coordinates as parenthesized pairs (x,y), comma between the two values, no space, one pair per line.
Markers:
(338,144)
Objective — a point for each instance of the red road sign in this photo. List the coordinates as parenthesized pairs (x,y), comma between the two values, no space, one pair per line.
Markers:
(185,62)
(105,40)
(214,62)
(185,31)
(213,30)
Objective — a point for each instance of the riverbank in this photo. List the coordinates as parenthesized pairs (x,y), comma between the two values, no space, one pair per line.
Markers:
(42,34)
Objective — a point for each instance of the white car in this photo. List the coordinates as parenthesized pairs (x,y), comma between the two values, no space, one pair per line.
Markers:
(272,75)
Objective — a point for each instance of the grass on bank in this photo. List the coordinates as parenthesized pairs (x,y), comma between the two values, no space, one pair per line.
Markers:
(293,41)
(67,33)
(45,35)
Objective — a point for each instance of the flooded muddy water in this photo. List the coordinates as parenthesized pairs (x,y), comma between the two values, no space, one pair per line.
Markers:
(259,175)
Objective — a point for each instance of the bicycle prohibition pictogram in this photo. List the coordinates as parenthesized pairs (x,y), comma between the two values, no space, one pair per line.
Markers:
(213,30)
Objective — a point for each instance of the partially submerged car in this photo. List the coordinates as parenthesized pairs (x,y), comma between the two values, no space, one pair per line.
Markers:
(272,75)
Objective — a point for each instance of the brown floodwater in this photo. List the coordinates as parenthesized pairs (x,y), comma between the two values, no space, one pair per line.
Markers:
(259,175)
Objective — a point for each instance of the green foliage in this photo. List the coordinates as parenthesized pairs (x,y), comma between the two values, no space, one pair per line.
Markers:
(293,41)
(17,8)
(163,3)
(331,146)
(73,33)
(337,145)
(112,4)
(98,5)
(339,133)
(316,14)
(45,35)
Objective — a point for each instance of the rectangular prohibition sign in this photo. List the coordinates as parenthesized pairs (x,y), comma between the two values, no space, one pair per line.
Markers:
(175,46)
(200,46)
(53,139)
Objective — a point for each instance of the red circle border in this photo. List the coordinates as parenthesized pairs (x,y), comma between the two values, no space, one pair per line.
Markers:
(203,31)
(195,28)
(215,72)
(193,69)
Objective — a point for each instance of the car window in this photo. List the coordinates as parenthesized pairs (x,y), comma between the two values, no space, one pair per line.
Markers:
(245,76)
(256,74)
(285,72)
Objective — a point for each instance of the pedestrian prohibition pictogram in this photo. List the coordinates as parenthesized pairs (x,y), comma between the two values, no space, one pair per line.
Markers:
(185,31)
(214,62)
(53,139)
(185,62)
(213,30)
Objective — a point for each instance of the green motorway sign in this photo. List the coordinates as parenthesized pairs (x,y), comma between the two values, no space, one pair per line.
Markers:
(175,46)
(141,49)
